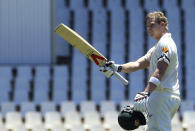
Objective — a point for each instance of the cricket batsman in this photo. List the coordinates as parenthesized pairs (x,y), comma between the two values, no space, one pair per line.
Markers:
(161,97)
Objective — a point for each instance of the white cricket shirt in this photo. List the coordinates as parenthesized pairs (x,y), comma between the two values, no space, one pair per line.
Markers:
(165,49)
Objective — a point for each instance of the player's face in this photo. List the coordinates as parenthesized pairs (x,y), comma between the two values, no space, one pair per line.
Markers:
(153,28)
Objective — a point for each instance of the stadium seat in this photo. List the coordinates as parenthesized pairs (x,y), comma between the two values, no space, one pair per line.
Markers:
(27,106)
(1,121)
(110,119)
(5,85)
(188,118)
(60,72)
(7,107)
(99,30)
(47,106)
(169,4)
(77,4)
(39,128)
(3,128)
(52,119)
(6,72)
(19,128)
(60,90)
(97,128)
(24,72)
(87,106)
(4,96)
(95,4)
(42,72)
(58,128)
(187,105)
(151,5)
(13,120)
(40,96)
(114,4)
(91,118)
(72,120)
(191,127)
(106,106)
(33,119)
(67,106)
(20,96)
(187,4)
(22,84)
(62,16)
(132,4)
(116,128)
(78,128)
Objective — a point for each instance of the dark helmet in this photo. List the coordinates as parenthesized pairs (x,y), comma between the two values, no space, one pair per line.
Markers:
(130,119)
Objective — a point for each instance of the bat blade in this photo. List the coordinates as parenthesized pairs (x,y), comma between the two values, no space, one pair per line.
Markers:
(81,44)
(84,47)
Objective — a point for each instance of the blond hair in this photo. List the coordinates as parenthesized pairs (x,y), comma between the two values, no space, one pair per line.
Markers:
(158,17)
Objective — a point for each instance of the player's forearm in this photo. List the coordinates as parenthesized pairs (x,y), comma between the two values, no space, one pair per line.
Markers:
(141,63)
(130,67)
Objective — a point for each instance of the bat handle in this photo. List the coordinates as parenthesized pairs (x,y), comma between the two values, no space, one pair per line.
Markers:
(121,78)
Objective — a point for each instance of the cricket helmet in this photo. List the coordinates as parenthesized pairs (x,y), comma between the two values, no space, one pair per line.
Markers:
(130,119)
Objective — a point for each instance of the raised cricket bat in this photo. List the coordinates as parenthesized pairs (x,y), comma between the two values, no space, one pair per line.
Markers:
(84,47)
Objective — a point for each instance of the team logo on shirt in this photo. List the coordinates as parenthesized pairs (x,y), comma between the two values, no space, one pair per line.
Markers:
(164,55)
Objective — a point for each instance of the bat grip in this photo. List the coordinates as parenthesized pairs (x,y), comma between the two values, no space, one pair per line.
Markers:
(121,78)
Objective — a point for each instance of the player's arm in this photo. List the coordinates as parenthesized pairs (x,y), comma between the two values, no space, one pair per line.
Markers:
(158,75)
(141,63)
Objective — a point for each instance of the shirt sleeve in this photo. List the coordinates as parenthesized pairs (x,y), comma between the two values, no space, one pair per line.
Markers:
(165,54)
(148,55)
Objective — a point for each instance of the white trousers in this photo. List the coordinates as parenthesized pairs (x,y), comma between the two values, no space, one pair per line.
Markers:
(161,107)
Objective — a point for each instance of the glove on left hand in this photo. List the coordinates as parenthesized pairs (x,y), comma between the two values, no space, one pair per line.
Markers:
(141,95)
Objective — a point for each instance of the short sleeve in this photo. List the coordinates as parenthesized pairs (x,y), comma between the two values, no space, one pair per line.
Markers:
(165,54)
(148,55)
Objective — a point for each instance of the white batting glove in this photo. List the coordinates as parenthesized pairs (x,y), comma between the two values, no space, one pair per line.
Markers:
(109,68)
(141,96)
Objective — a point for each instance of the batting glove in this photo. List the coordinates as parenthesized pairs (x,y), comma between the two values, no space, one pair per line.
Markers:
(141,96)
(109,68)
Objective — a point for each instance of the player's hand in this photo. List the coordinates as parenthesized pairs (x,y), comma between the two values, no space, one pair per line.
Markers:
(141,96)
(109,68)
(108,71)
(115,67)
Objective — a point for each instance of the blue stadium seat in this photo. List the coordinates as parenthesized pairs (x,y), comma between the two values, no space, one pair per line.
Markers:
(117,36)
(22,84)
(98,85)
(132,4)
(77,4)
(4,96)
(117,90)
(60,4)
(40,96)
(6,72)
(114,4)
(151,5)
(42,71)
(60,96)
(95,4)
(47,106)
(186,4)
(99,30)
(62,16)
(20,96)
(189,40)
(169,4)
(27,106)
(60,72)
(24,72)
(7,106)
(60,90)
